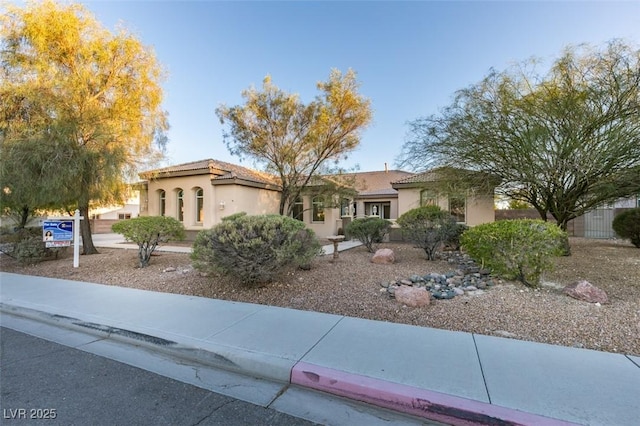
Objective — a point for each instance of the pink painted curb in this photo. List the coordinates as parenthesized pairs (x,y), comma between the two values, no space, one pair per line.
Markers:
(414,401)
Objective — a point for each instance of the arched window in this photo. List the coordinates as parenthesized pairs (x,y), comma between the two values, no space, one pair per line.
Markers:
(317,209)
(298,209)
(180,205)
(199,205)
(163,202)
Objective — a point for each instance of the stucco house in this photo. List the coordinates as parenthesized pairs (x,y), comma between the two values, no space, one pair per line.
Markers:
(201,193)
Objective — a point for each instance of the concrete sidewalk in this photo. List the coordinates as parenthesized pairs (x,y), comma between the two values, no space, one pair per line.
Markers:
(450,377)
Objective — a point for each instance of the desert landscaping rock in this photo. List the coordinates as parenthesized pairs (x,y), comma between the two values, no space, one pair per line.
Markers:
(414,297)
(468,279)
(383,257)
(584,290)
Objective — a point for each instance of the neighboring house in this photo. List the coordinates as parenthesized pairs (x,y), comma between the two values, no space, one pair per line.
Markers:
(201,193)
(129,210)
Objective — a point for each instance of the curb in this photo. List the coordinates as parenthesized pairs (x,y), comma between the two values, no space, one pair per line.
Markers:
(243,361)
(423,403)
(406,399)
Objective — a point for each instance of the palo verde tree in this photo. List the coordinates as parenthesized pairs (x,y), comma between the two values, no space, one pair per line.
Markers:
(102,117)
(565,141)
(296,141)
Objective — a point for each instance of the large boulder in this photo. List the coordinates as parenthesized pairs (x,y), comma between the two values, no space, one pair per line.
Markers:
(413,297)
(383,256)
(584,290)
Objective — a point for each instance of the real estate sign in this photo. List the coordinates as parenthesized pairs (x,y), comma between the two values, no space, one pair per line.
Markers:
(57,233)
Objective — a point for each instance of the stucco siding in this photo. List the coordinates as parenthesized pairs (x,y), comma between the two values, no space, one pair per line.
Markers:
(188,185)
(478,209)
(332,221)
(253,201)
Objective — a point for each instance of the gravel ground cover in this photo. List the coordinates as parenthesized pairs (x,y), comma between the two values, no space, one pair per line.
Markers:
(352,286)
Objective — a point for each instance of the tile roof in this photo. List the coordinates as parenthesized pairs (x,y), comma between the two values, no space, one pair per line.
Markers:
(221,169)
(376,183)
(449,175)
(428,176)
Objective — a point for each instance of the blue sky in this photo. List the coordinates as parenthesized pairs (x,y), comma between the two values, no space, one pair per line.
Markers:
(410,57)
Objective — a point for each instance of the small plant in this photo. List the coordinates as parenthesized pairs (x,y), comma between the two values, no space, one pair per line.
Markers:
(452,233)
(369,231)
(148,232)
(519,249)
(429,228)
(254,248)
(627,225)
(26,246)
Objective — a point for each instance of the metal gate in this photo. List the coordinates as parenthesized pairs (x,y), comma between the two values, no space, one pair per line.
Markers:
(597,223)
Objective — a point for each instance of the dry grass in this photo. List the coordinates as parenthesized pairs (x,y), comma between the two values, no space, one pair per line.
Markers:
(351,286)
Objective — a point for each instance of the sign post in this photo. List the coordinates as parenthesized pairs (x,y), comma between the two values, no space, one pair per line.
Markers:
(59,231)
(76,238)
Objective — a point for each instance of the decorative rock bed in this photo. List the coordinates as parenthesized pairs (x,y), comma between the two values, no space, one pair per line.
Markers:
(468,278)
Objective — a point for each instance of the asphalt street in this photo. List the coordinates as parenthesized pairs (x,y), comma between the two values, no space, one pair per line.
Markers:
(46,383)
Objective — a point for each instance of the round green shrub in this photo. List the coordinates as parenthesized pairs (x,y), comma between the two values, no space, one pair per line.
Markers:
(149,231)
(254,248)
(369,231)
(627,225)
(429,228)
(519,249)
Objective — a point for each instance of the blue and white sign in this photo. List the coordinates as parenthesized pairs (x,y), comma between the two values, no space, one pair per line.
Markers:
(57,230)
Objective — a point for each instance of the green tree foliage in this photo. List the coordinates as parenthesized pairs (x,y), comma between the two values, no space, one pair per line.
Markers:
(627,225)
(296,141)
(81,105)
(369,231)
(430,228)
(519,205)
(254,249)
(519,249)
(149,231)
(564,141)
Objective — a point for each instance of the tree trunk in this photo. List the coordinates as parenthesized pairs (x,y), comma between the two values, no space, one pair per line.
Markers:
(85,231)
(566,247)
(24,217)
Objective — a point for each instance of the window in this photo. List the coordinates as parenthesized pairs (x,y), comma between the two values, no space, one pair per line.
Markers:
(163,203)
(298,209)
(180,205)
(122,216)
(428,198)
(199,205)
(317,208)
(457,208)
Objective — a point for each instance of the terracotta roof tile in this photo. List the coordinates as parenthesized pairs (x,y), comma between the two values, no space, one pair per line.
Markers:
(428,176)
(229,171)
(366,183)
